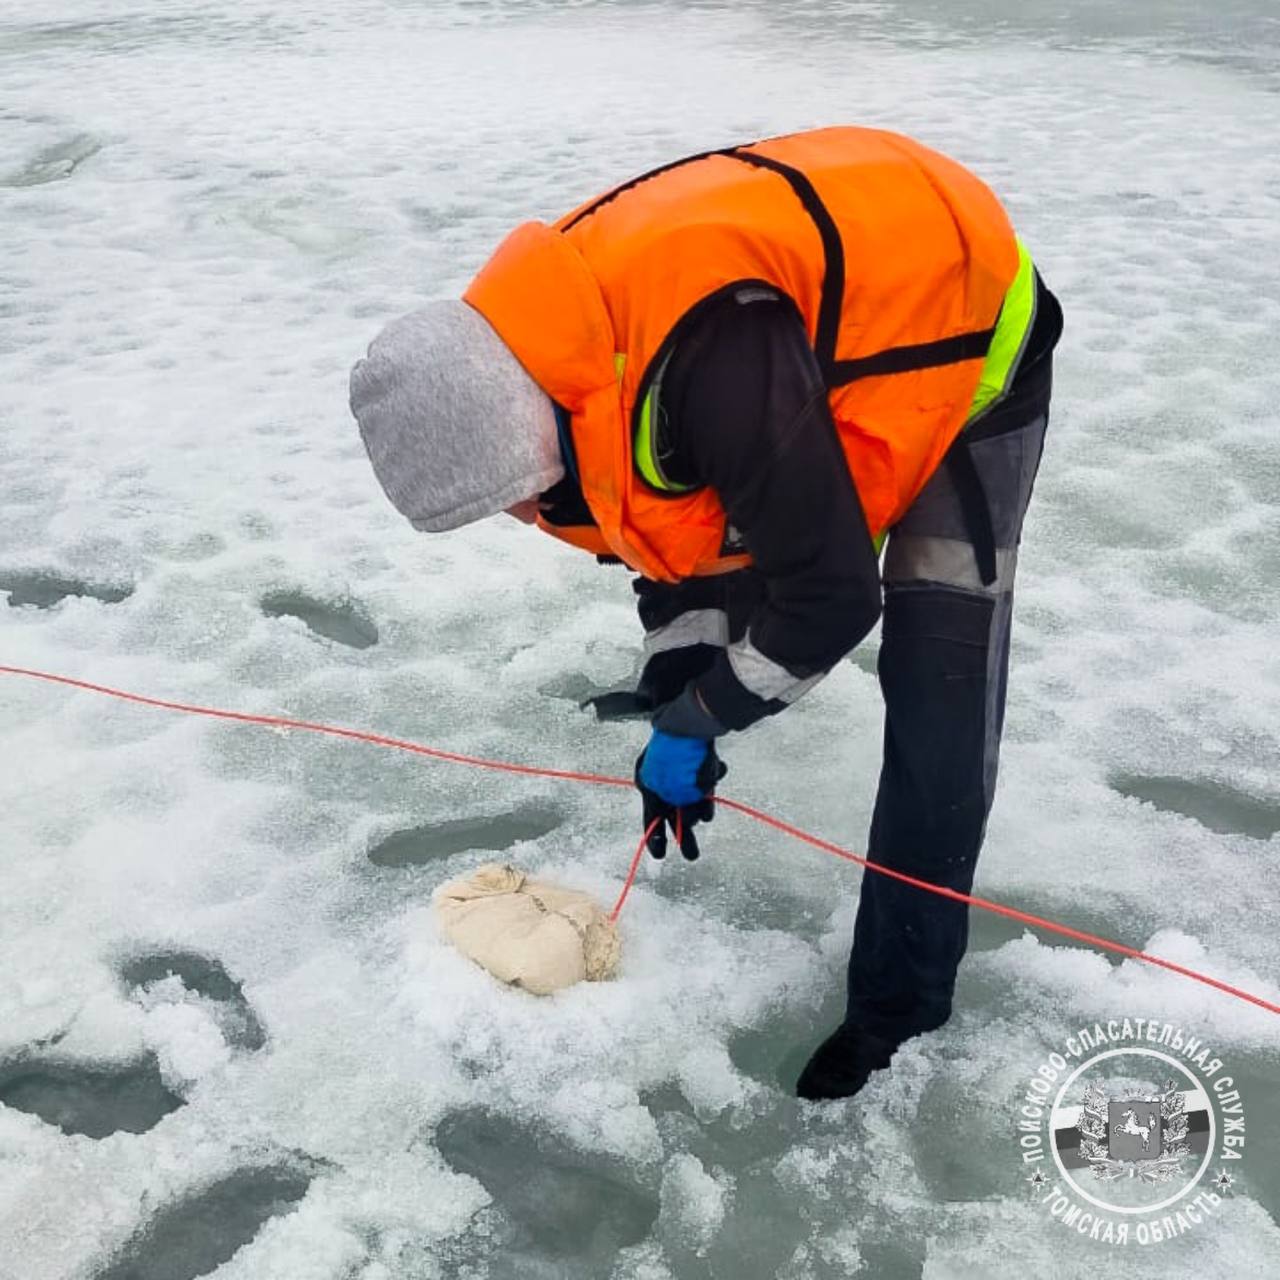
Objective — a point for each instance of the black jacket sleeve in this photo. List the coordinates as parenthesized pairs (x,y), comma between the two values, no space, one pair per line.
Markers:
(746,412)
(687,624)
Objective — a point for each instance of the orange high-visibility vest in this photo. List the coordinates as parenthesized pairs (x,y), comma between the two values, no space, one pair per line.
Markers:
(897,259)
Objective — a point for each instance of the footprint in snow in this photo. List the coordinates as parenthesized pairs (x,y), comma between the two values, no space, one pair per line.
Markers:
(558,1211)
(54,163)
(168,976)
(93,1099)
(343,623)
(417,846)
(1214,805)
(44,589)
(199,1232)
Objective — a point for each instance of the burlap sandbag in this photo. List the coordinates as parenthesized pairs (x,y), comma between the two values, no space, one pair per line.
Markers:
(526,932)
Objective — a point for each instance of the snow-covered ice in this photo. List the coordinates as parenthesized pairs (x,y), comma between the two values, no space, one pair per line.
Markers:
(229,1032)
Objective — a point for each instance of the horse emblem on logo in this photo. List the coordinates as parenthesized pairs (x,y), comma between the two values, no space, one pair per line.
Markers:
(1134,1137)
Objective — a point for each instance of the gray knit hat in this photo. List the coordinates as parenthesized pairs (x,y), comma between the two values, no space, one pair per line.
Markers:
(454,426)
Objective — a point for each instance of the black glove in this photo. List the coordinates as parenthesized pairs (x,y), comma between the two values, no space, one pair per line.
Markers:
(662,680)
(621,704)
(680,818)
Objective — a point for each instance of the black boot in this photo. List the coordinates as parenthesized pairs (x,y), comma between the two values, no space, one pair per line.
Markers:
(842,1063)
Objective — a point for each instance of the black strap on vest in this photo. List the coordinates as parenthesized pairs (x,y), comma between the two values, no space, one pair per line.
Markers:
(975,507)
(905,359)
(824,346)
(923,355)
(835,373)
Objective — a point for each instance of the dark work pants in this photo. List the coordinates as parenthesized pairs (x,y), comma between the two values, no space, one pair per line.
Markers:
(944,661)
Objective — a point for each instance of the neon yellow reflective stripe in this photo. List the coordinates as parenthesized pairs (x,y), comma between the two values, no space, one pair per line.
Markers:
(644,445)
(1016,316)
(646,463)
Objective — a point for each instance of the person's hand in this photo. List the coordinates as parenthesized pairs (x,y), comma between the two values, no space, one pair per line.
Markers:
(676,778)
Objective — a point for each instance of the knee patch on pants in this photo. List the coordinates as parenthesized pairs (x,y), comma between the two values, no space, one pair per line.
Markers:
(933,542)
(934,669)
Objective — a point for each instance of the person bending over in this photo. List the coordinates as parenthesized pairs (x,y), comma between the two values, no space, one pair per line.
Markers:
(745,376)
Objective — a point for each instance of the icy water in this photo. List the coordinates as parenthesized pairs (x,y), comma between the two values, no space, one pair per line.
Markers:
(231,1041)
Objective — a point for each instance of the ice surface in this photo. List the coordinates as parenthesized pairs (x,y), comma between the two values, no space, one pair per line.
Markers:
(693,1204)
(208,211)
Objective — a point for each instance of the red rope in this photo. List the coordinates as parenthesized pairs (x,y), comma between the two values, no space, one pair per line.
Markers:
(596,779)
(631,872)
(998,908)
(333,731)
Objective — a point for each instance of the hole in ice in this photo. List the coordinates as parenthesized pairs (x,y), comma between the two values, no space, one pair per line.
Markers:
(418,845)
(197,1235)
(54,163)
(558,1206)
(45,589)
(614,702)
(202,976)
(89,1098)
(343,623)
(1215,805)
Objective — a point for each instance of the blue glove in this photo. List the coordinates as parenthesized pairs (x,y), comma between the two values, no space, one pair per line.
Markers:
(669,767)
(676,778)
